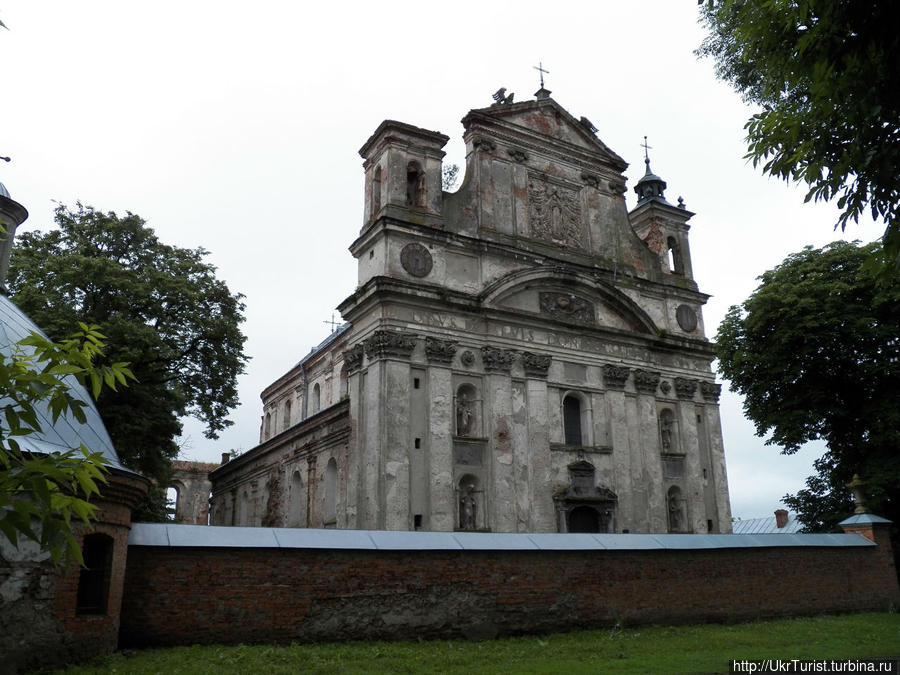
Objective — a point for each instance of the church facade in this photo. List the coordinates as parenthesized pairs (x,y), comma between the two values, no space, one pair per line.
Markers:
(521,355)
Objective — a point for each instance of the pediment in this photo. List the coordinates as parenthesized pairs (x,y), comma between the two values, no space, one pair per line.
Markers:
(571,301)
(548,119)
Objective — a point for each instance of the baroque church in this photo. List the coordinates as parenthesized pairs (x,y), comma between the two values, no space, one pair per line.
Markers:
(521,355)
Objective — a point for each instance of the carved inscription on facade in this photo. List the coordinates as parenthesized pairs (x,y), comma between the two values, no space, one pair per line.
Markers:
(554,214)
(567,306)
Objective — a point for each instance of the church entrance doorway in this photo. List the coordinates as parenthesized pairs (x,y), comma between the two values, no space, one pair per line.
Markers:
(584,519)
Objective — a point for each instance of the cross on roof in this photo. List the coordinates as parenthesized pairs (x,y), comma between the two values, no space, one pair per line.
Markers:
(646,148)
(333,323)
(540,68)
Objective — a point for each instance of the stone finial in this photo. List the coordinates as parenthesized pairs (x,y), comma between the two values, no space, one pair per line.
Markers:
(615,377)
(710,391)
(859,494)
(440,351)
(497,360)
(535,365)
(353,358)
(645,381)
(685,388)
(385,343)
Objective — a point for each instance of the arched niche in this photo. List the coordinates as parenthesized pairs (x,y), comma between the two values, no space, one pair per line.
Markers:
(467,411)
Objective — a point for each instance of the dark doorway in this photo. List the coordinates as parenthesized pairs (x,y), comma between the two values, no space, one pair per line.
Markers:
(584,519)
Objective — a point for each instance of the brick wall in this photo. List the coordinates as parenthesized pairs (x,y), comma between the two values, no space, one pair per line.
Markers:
(185,595)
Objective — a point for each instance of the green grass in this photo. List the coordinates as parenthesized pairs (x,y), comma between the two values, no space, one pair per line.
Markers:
(669,649)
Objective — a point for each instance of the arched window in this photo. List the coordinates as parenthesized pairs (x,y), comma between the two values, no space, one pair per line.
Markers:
(676,507)
(572,420)
(93,581)
(415,184)
(267,427)
(330,513)
(296,501)
(469,511)
(673,252)
(287,414)
(468,411)
(316,398)
(243,519)
(376,193)
(172,495)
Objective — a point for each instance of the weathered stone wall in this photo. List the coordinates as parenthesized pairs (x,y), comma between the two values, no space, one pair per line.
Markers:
(191,480)
(184,595)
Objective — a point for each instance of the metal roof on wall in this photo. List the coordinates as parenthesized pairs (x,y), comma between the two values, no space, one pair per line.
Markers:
(206,536)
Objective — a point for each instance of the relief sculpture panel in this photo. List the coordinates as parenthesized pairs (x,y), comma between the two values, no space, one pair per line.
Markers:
(554,214)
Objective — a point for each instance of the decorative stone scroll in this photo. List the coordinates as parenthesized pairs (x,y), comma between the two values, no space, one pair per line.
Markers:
(615,377)
(567,306)
(416,260)
(439,351)
(517,155)
(384,343)
(484,145)
(684,388)
(710,391)
(645,381)
(591,179)
(555,214)
(536,365)
(353,358)
(497,360)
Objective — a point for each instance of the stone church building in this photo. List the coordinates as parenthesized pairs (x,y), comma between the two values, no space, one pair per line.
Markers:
(521,355)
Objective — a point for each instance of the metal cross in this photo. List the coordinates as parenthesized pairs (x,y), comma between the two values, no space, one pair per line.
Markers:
(646,148)
(333,323)
(540,68)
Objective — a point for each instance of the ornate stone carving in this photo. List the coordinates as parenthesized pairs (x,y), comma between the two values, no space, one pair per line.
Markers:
(666,386)
(645,381)
(615,377)
(384,343)
(710,391)
(497,360)
(686,318)
(555,214)
(591,179)
(439,351)
(467,358)
(465,415)
(536,365)
(517,154)
(566,306)
(484,145)
(416,260)
(685,388)
(353,358)
(617,187)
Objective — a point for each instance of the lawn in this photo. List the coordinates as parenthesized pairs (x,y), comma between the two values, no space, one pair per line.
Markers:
(657,649)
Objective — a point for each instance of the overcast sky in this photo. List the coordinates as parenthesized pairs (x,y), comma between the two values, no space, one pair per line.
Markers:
(236,127)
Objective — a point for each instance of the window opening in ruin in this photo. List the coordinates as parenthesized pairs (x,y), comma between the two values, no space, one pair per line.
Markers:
(584,519)
(316,398)
(287,414)
(418,443)
(415,383)
(296,500)
(330,514)
(572,420)
(415,184)
(376,195)
(171,503)
(704,474)
(417,521)
(709,526)
(676,265)
(93,581)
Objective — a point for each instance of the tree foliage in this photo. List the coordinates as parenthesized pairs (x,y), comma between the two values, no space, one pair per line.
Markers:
(165,313)
(40,493)
(815,351)
(826,76)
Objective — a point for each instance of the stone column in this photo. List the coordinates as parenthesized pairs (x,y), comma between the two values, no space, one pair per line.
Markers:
(501,505)
(693,475)
(390,351)
(614,379)
(542,512)
(710,392)
(647,479)
(442,507)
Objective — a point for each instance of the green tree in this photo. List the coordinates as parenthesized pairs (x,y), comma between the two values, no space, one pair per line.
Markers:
(40,493)
(165,313)
(815,351)
(826,77)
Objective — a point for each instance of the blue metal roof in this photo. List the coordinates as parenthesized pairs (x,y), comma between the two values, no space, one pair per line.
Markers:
(204,536)
(766,525)
(66,433)
(864,519)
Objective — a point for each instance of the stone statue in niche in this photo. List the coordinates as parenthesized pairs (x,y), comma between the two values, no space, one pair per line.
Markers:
(467,509)
(677,519)
(555,214)
(667,430)
(464,415)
